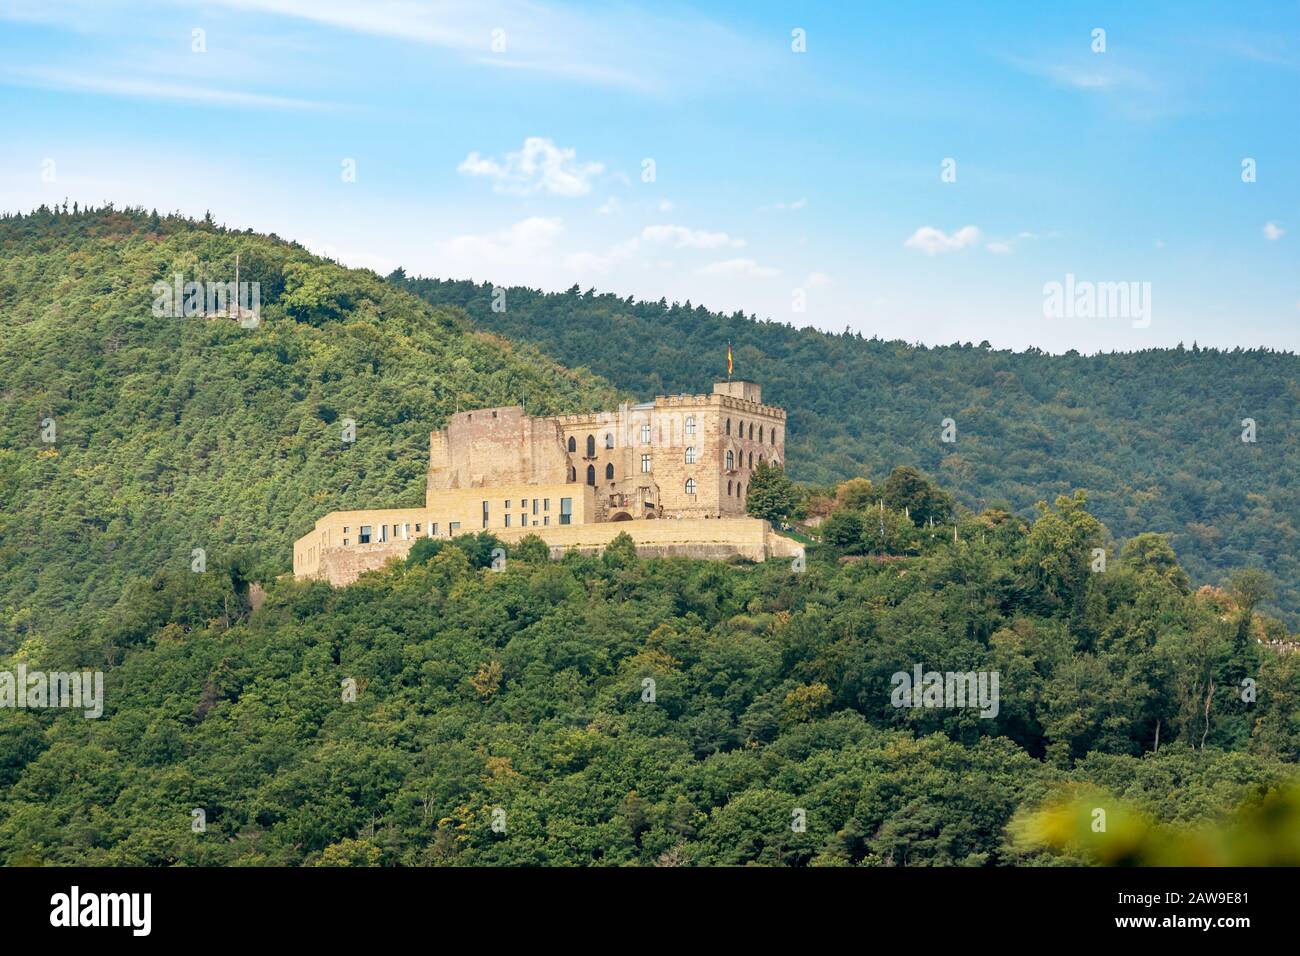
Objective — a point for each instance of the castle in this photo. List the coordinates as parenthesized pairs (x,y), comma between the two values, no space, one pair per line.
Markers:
(673,473)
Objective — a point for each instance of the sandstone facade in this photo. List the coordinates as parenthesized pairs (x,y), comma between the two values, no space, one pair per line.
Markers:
(684,461)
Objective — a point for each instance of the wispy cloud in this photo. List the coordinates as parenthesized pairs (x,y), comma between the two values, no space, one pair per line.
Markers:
(682,237)
(153,89)
(1273,232)
(737,269)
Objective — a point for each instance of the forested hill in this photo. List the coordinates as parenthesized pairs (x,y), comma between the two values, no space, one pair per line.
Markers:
(1154,436)
(170,434)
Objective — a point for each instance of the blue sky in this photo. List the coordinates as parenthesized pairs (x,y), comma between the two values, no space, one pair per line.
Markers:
(804,187)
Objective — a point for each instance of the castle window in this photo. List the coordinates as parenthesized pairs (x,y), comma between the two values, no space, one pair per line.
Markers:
(507,521)
(534,506)
(751,431)
(546,519)
(740,490)
(485,514)
(690,454)
(690,426)
(773,436)
(728,489)
(566,511)
(591,446)
(690,486)
(609,439)
(645,434)
(751,461)
(345,542)
(433,529)
(728,426)
(453,527)
(731,460)
(573,443)
(760,434)
(523,521)
(507,504)
(591,474)
(364,537)
(609,472)
(645,464)
(573,474)
(546,504)
(417,527)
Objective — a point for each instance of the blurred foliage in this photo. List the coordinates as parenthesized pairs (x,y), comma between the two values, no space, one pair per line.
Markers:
(1264,830)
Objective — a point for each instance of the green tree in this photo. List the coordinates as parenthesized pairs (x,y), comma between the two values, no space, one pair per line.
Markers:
(772,496)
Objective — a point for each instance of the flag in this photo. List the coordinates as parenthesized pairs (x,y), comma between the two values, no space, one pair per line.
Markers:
(728,359)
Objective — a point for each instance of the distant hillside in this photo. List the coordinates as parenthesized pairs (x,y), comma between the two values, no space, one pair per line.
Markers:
(1154,436)
(180,433)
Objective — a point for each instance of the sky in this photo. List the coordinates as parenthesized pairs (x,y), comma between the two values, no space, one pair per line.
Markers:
(921,171)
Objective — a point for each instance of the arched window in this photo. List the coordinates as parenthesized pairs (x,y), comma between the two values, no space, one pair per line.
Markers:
(609,439)
(573,473)
(690,486)
(773,435)
(690,426)
(591,474)
(728,426)
(573,443)
(740,490)
(609,472)
(731,460)
(760,434)
(751,431)
(728,489)
(690,454)
(591,446)
(751,461)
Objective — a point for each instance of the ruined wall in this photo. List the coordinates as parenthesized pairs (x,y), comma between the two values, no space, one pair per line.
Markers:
(496,446)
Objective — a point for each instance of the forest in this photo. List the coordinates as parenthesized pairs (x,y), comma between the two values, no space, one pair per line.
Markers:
(613,710)
(1154,437)
(603,709)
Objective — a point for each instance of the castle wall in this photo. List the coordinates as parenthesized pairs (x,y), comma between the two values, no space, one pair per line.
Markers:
(345,529)
(704,539)
(501,470)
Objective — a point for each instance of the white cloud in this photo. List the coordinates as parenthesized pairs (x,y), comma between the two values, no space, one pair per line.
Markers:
(816,280)
(1000,247)
(933,241)
(1273,232)
(737,269)
(540,166)
(683,237)
(609,207)
(519,244)
(587,262)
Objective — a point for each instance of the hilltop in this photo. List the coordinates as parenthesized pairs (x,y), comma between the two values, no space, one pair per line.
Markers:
(172,434)
(1154,437)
